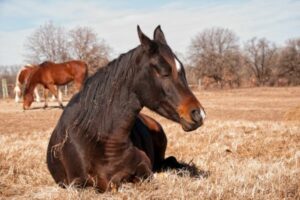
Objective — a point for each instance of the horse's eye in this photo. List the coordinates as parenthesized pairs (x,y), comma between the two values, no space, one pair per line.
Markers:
(163,72)
(165,75)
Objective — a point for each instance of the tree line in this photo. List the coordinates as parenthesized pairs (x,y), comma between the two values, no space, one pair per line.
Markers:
(217,60)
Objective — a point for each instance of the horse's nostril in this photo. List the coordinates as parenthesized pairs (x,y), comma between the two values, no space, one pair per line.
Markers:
(196,115)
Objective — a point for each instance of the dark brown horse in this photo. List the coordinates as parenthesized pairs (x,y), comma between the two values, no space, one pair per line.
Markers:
(101,140)
(50,74)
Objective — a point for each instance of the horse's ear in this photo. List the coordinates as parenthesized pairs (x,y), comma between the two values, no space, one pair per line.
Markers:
(146,43)
(159,35)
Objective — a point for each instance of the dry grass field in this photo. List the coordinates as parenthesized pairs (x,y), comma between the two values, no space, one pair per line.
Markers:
(249,148)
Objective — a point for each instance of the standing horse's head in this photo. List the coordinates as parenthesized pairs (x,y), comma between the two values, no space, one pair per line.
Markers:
(29,87)
(162,85)
(28,99)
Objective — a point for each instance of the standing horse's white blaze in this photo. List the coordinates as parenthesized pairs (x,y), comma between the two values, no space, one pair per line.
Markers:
(202,113)
(178,65)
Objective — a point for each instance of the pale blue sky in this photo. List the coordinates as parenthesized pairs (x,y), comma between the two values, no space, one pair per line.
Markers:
(116,20)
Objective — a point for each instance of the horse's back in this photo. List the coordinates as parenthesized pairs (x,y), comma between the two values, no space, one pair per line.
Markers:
(77,68)
(62,73)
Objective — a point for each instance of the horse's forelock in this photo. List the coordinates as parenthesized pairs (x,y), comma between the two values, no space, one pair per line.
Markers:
(168,55)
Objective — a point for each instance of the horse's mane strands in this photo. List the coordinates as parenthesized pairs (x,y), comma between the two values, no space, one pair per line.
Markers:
(104,86)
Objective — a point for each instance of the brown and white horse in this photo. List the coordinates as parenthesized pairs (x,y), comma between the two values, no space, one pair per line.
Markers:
(51,74)
(21,79)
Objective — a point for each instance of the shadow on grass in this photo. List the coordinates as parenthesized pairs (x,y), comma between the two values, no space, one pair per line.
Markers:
(43,108)
(182,168)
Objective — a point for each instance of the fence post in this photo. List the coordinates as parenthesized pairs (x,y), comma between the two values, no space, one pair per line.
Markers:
(4,89)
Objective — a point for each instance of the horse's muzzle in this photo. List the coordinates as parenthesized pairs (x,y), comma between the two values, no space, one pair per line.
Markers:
(197,117)
(25,107)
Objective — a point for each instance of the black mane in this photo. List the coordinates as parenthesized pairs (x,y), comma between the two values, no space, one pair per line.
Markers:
(101,90)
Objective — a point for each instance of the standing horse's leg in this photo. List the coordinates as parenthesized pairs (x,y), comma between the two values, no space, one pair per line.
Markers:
(17,97)
(18,93)
(36,93)
(78,82)
(59,95)
(60,98)
(46,97)
(53,90)
(52,98)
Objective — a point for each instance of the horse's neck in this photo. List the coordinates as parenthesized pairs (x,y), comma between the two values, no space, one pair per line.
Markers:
(108,103)
(123,113)
(32,84)
(112,109)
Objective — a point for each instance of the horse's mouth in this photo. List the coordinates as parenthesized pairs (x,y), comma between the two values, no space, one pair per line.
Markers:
(188,126)
(26,107)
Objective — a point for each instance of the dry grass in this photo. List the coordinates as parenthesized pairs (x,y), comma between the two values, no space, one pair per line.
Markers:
(247,148)
(293,114)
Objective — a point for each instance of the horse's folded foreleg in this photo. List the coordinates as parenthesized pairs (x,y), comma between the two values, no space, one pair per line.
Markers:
(143,170)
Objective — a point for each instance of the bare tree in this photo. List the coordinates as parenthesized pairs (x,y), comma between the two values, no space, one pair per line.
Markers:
(54,43)
(85,45)
(215,54)
(48,42)
(289,62)
(261,59)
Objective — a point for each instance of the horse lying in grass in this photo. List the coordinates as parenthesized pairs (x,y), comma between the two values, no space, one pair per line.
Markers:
(101,140)
(50,74)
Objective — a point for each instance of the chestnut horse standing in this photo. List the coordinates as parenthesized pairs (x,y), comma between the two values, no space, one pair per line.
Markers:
(50,74)
(21,79)
(101,140)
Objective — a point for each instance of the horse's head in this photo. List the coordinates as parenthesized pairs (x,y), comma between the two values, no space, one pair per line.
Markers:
(28,99)
(162,85)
